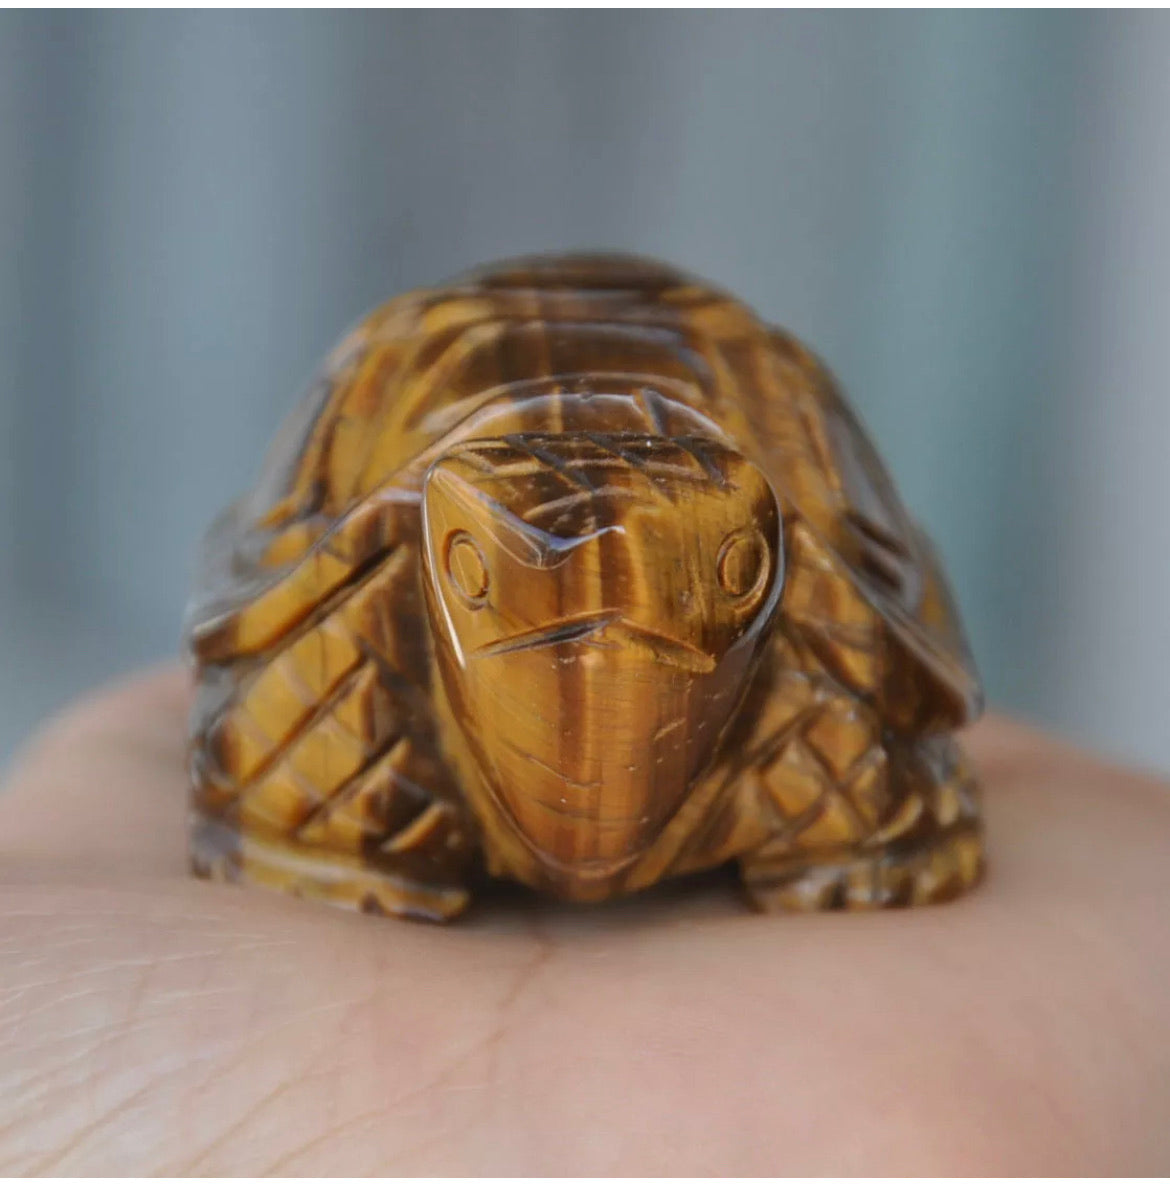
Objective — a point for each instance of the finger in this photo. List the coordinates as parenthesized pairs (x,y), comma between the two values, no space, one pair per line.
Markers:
(105,782)
(1003,744)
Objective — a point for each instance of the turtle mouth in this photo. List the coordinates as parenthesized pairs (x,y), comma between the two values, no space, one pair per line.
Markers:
(604,629)
(592,737)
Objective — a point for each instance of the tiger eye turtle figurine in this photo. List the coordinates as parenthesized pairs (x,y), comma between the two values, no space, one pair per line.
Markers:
(574,572)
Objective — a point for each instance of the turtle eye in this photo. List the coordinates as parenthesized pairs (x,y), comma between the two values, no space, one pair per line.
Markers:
(742,564)
(467,570)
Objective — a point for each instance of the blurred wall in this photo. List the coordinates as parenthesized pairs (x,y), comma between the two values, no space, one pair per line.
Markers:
(964,212)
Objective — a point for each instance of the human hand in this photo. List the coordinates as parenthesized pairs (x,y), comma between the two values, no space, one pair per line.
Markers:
(151,1023)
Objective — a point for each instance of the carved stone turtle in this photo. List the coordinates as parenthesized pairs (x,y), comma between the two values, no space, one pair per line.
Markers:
(574,572)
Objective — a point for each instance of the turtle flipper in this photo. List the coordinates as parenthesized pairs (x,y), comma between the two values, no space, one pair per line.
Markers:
(350,809)
(925,845)
(220,852)
(315,764)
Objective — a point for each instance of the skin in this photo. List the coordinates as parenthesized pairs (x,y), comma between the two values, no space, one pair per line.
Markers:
(151,1023)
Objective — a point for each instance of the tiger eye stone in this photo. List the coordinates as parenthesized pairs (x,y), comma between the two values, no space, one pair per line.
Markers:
(466,568)
(741,562)
(574,572)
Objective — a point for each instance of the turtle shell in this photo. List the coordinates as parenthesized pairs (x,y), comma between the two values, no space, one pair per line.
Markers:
(475,356)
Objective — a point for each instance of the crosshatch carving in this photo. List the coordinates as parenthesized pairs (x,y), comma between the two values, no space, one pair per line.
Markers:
(574,572)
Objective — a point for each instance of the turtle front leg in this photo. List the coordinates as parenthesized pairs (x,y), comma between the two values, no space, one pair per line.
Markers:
(897,824)
(390,840)
(351,806)
(339,878)
(314,762)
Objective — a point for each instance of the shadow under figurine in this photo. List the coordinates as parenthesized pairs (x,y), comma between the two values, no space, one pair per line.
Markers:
(574,572)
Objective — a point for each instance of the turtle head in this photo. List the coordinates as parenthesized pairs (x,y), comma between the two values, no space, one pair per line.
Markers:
(597,605)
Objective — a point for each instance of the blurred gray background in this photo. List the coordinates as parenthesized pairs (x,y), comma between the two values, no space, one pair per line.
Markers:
(967,214)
